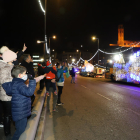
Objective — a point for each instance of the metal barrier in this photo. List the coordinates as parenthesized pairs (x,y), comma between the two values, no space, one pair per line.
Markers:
(31,128)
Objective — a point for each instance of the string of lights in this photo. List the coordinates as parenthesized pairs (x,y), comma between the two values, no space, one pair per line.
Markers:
(107,52)
(93,56)
(115,52)
(41,6)
(102,52)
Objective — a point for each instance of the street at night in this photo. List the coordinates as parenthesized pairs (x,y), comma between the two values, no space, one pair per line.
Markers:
(96,109)
(69,70)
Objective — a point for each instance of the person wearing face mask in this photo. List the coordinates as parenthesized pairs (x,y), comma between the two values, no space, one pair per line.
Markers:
(5,76)
(21,101)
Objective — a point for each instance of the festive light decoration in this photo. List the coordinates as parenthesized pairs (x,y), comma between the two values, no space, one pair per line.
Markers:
(93,56)
(41,6)
(96,54)
(129,71)
(116,52)
(135,55)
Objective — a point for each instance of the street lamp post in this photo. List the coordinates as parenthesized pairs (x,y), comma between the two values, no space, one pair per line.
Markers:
(45,44)
(94,38)
(54,37)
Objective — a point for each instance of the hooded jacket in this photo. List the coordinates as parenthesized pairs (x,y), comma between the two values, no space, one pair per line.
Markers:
(60,73)
(21,101)
(5,76)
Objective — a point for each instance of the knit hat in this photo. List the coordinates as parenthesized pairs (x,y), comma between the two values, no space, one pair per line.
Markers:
(3,49)
(9,56)
(48,63)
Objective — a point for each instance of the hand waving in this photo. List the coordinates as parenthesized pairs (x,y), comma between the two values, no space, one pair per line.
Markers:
(24,48)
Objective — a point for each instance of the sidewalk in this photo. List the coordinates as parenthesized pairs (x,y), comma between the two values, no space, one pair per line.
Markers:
(2,136)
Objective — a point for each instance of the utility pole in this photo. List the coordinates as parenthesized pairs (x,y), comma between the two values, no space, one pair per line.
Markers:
(45,44)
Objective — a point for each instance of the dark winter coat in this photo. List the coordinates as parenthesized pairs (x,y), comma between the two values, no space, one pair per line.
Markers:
(40,71)
(21,101)
(29,67)
(72,73)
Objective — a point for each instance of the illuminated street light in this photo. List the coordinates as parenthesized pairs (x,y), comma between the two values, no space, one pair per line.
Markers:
(38,41)
(54,37)
(94,38)
(53,50)
(45,42)
(77,50)
(70,55)
(42,59)
(73,60)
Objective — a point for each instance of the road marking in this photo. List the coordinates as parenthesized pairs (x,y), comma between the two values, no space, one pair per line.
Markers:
(134,112)
(104,96)
(83,86)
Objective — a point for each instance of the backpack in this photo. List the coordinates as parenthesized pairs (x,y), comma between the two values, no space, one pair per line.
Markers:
(58,78)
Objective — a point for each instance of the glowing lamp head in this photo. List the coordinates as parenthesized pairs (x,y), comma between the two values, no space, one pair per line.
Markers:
(38,41)
(93,38)
(42,59)
(54,37)
(73,60)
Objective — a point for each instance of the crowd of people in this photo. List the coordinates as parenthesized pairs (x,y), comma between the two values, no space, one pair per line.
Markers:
(17,86)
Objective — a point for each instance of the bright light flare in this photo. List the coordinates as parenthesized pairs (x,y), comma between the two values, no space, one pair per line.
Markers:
(93,38)
(110,61)
(54,37)
(73,60)
(131,58)
(116,57)
(38,41)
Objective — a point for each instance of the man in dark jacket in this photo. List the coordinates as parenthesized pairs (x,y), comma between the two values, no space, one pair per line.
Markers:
(28,64)
(21,101)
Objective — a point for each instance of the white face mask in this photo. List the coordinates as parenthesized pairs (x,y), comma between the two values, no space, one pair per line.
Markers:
(24,77)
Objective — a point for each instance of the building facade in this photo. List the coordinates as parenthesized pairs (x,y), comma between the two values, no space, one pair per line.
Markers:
(124,43)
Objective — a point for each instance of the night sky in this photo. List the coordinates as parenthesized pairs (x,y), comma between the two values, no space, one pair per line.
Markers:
(74,22)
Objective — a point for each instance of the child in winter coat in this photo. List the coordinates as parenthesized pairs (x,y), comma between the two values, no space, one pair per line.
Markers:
(21,101)
(50,74)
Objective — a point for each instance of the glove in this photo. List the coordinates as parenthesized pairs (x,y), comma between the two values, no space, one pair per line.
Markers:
(30,77)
